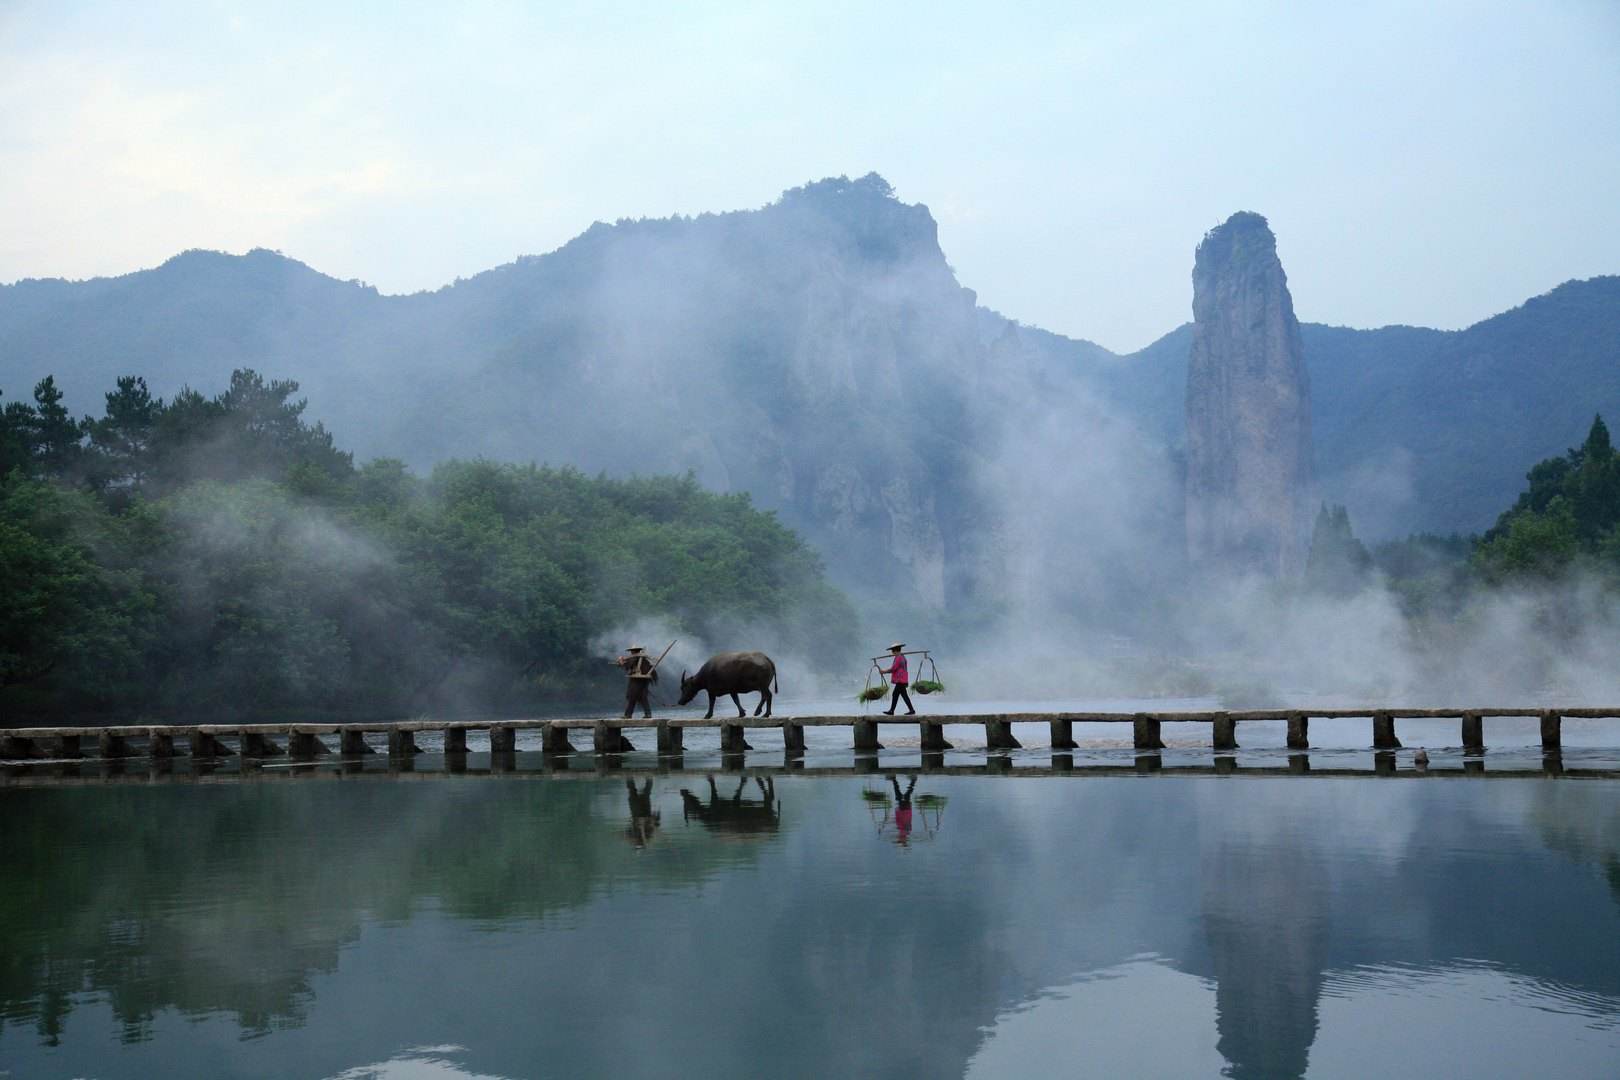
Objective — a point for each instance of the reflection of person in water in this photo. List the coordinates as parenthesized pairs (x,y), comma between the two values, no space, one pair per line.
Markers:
(643,818)
(902,810)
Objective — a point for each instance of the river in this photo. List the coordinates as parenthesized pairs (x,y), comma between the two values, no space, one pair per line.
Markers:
(1131,918)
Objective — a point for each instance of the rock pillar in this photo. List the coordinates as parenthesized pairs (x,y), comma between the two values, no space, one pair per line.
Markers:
(1250,471)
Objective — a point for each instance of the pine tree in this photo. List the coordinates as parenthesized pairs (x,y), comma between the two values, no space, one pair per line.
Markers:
(57,437)
(121,441)
(1338,563)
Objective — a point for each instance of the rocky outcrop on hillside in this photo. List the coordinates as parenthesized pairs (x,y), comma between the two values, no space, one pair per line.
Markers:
(1249,486)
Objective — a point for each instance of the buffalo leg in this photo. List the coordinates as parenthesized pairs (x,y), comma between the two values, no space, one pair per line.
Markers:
(737,701)
(710,714)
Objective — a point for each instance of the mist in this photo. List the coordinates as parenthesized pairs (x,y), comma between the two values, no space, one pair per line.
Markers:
(1008,498)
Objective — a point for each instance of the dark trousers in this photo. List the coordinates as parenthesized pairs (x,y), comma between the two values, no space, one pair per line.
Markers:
(636,694)
(895,699)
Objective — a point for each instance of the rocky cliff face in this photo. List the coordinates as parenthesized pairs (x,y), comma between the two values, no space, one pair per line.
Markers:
(1250,484)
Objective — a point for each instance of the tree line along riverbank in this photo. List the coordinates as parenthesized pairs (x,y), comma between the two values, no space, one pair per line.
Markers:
(222,556)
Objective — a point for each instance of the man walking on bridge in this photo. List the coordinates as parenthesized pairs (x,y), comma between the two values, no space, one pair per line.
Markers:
(642,674)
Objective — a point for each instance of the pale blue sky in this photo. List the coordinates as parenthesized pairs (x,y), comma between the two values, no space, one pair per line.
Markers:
(1420,163)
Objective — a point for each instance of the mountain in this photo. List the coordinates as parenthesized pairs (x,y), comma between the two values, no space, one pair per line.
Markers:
(1249,453)
(820,354)
(817,353)
(1427,430)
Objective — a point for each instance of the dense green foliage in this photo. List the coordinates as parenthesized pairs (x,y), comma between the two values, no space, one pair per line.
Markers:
(211,555)
(1569,514)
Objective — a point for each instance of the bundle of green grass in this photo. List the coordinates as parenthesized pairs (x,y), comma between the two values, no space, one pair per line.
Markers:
(928,686)
(871,693)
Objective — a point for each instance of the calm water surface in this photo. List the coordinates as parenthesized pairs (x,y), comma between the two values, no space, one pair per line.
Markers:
(313,923)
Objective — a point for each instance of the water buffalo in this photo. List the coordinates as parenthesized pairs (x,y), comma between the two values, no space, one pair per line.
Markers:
(732,673)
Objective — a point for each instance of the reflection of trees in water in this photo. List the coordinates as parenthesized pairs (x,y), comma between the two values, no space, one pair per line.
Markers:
(1572,824)
(231,897)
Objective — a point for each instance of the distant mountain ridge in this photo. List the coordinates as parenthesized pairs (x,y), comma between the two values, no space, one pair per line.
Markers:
(1421,430)
(820,354)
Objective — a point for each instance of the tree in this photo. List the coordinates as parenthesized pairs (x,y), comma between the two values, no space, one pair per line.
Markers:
(259,571)
(253,430)
(1540,545)
(1570,509)
(16,437)
(1594,487)
(1338,563)
(72,614)
(121,441)
(57,437)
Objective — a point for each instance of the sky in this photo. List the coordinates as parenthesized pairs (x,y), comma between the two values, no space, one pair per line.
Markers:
(1422,163)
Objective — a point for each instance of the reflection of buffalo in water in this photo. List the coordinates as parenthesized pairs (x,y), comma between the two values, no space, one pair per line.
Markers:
(734,815)
(732,673)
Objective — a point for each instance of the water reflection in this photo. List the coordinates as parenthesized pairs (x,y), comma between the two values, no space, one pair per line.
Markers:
(1262,927)
(1265,915)
(896,818)
(644,820)
(736,817)
(417,1063)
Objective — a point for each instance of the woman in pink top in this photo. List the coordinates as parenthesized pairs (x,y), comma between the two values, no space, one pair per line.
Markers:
(899,674)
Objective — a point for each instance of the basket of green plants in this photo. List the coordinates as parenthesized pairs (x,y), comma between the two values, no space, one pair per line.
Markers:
(928,686)
(871,693)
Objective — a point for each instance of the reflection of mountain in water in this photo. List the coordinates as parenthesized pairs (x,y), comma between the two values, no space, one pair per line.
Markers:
(1267,926)
(1277,917)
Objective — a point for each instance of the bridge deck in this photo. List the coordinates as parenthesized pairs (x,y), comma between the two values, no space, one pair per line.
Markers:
(303,740)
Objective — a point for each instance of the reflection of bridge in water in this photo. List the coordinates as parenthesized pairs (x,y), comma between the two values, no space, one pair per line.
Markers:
(553,767)
(306,742)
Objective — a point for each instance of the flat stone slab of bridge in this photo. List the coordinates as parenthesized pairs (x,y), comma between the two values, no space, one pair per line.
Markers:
(608,734)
